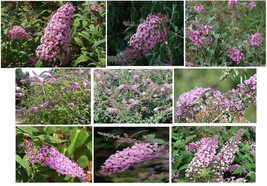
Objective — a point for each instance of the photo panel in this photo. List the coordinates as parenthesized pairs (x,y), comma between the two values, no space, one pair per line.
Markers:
(131,154)
(133,96)
(223,154)
(53,96)
(53,34)
(215,95)
(145,33)
(53,154)
(225,33)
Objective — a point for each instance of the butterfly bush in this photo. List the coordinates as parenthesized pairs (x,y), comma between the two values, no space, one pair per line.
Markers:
(206,157)
(148,34)
(198,8)
(232,3)
(205,153)
(56,39)
(235,55)
(255,39)
(175,175)
(225,157)
(187,104)
(132,96)
(251,5)
(122,160)
(214,43)
(198,37)
(201,100)
(48,156)
(17,32)
(56,97)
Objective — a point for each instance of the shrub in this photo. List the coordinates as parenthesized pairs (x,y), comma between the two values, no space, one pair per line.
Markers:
(133,96)
(221,35)
(58,96)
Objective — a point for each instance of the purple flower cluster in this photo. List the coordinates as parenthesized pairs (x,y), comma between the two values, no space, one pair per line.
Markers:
(122,160)
(56,38)
(205,29)
(17,32)
(194,101)
(198,8)
(232,3)
(237,99)
(196,37)
(235,55)
(225,157)
(48,156)
(206,156)
(205,152)
(149,33)
(175,175)
(255,39)
(74,86)
(251,4)
(34,109)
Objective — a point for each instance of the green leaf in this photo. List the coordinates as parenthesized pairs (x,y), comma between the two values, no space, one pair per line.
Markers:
(50,130)
(84,23)
(29,130)
(239,170)
(49,139)
(159,141)
(24,163)
(184,167)
(78,41)
(81,59)
(85,35)
(89,145)
(78,138)
(98,43)
(83,161)
(39,63)
(150,136)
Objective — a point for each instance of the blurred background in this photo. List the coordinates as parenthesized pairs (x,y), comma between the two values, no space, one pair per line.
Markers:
(187,79)
(156,170)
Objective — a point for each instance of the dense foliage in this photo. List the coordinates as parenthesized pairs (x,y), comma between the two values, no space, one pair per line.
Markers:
(136,154)
(225,33)
(133,96)
(145,33)
(53,154)
(51,34)
(56,96)
(213,154)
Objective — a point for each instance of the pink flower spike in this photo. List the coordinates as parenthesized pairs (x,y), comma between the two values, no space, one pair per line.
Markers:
(198,8)
(17,32)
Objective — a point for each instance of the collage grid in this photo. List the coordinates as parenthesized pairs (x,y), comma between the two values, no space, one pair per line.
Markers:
(200,139)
